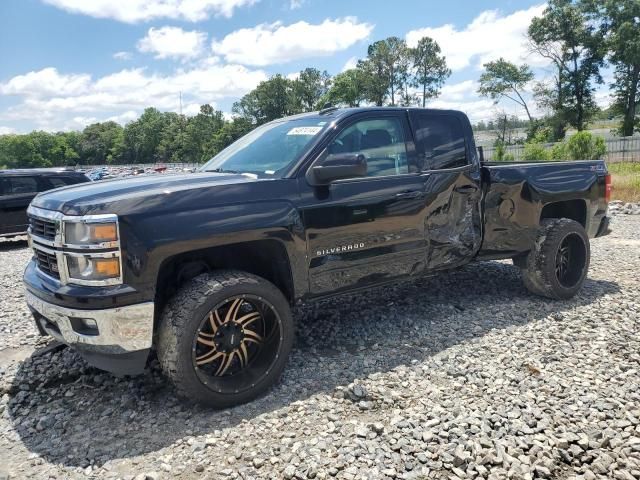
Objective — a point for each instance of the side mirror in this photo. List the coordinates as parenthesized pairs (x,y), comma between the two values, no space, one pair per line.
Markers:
(336,167)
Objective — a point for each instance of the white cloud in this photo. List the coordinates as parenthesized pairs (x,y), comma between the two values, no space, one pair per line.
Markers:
(349,64)
(488,37)
(173,42)
(275,43)
(7,130)
(459,91)
(124,117)
(46,82)
(133,11)
(462,96)
(122,55)
(295,4)
(121,96)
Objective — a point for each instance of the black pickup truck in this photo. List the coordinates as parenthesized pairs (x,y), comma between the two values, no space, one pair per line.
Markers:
(204,267)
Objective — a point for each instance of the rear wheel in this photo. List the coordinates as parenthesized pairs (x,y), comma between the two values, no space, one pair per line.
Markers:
(224,338)
(557,265)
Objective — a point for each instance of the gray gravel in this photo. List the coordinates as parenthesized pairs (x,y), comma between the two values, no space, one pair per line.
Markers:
(464,375)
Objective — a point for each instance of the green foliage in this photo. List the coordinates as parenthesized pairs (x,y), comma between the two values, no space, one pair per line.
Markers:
(348,88)
(565,36)
(581,146)
(271,99)
(500,153)
(585,146)
(154,137)
(309,88)
(538,131)
(430,66)
(535,152)
(619,19)
(503,79)
(559,151)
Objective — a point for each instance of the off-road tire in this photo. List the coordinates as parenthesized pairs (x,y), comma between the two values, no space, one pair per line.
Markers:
(539,272)
(181,320)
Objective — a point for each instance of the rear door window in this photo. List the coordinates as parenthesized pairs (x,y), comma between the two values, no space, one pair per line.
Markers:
(440,141)
(18,185)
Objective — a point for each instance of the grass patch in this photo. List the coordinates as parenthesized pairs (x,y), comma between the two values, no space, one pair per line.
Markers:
(626,181)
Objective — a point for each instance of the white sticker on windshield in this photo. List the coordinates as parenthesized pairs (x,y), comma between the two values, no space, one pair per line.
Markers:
(304,131)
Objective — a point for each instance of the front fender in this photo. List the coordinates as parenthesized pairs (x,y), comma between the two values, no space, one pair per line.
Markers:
(149,240)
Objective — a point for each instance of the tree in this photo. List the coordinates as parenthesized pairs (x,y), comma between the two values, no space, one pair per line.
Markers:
(375,81)
(270,100)
(309,88)
(62,153)
(97,142)
(503,79)
(387,58)
(142,136)
(348,88)
(430,68)
(503,127)
(229,133)
(565,36)
(620,20)
(200,132)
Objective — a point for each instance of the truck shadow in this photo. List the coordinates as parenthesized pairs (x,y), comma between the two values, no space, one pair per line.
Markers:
(72,414)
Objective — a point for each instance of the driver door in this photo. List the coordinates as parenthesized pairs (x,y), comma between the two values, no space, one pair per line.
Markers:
(368,230)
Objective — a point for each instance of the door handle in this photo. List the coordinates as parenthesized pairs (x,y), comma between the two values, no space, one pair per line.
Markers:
(466,189)
(410,195)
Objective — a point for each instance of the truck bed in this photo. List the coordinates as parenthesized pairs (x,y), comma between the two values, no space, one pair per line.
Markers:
(517,195)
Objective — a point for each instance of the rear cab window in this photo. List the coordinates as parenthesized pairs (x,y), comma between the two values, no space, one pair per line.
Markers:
(57,182)
(440,141)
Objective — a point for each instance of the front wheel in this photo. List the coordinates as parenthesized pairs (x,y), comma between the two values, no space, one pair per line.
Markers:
(224,338)
(557,265)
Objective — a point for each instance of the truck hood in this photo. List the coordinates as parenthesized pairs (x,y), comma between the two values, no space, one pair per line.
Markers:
(149,193)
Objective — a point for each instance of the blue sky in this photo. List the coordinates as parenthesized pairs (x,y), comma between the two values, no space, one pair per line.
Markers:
(67,63)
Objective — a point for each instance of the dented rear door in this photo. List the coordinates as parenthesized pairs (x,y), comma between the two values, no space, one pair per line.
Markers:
(453,224)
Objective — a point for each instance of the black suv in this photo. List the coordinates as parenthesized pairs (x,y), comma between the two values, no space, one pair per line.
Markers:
(17,189)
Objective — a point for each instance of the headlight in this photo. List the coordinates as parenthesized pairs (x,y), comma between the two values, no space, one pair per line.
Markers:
(84,233)
(88,268)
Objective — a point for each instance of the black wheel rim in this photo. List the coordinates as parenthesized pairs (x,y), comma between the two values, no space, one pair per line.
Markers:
(570,260)
(236,344)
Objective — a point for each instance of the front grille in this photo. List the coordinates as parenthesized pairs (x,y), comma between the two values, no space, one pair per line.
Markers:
(43,228)
(47,262)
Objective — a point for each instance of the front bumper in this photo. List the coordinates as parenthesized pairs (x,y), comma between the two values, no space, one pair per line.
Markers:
(113,339)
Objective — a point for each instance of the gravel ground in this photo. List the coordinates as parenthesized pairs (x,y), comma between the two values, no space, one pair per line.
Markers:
(464,375)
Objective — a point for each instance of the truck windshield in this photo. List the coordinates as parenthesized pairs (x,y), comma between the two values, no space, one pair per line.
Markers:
(267,151)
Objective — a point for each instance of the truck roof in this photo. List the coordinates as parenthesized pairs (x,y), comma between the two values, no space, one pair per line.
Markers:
(39,171)
(337,113)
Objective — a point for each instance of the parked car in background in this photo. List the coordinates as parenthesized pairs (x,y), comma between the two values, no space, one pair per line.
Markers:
(17,189)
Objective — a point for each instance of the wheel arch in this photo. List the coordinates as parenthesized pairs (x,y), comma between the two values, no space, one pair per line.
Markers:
(572,209)
(266,258)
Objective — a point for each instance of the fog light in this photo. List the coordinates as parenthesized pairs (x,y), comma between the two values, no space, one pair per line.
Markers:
(84,326)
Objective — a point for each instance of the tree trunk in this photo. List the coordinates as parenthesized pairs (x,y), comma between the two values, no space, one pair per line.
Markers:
(630,110)
(424,95)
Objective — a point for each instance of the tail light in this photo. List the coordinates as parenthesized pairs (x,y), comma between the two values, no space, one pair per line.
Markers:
(608,187)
